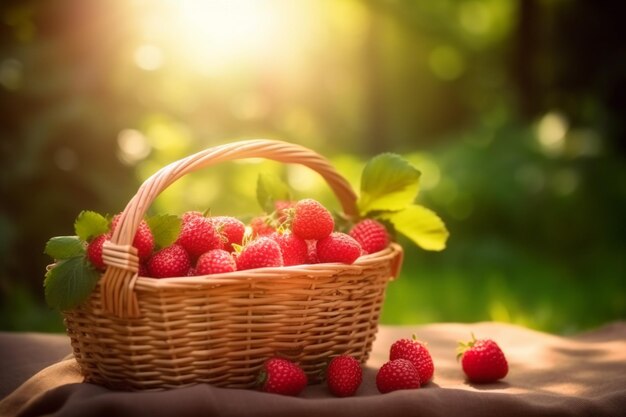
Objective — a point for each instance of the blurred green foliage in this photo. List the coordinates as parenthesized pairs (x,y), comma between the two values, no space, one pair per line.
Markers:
(512,110)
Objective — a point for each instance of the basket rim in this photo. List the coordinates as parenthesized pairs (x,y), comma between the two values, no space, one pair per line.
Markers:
(273,273)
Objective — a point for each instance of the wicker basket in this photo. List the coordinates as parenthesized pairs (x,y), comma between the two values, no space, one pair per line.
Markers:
(138,333)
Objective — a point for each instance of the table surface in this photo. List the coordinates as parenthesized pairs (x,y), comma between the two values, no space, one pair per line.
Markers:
(584,374)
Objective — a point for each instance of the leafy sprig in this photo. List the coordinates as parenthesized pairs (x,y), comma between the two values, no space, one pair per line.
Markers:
(389,187)
(72,278)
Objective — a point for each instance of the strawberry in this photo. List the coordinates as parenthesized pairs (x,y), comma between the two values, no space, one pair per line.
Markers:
(311,220)
(397,374)
(417,353)
(230,229)
(215,261)
(261,227)
(482,360)
(199,235)
(188,215)
(293,248)
(143,270)
(259,253)
(94,251)
(338,247)
(172,261)
(371,235)
(283,208)
(143,241)
(311,257)
(281,376)
(344,376)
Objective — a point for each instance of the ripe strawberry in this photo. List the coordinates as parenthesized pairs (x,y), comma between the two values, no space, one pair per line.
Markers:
(311,257)
(172,261)
(417,353)
(260,253)
(230,229)
(281,376)
(483,360)
(94,251)
(282,208)
(143,241)
(199,235)
(215,261)
(293,248)
(260,226)
(344,376)
(338,247)
(371,235)
(397,374)
(188,215)
(311,220)
(143,270)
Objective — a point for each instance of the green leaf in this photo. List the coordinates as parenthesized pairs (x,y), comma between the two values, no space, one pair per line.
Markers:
(70,282)
(64,247)
(90,224)
(165,229)
(269,189)
(421,225)
(388,183)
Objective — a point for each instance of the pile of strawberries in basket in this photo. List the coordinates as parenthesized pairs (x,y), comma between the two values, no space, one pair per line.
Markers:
(297,233)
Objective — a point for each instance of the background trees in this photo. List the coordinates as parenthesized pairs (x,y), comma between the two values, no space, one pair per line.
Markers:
(513,110)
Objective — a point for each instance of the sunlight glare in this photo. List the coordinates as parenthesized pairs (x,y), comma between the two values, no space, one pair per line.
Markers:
(216,31)
(148,57)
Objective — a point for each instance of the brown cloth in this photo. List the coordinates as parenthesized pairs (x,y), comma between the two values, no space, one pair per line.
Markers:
(583,375)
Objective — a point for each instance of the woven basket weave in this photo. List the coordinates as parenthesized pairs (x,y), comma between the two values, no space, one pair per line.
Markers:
(138,333)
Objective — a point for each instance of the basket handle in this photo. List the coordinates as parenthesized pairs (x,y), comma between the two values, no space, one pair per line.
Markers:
(118,281)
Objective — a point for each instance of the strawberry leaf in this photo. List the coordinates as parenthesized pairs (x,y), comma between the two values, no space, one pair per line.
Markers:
(165,229)
(64,247)
(90,224)
(388,183)
(421,225)
(269,189)
(70,282)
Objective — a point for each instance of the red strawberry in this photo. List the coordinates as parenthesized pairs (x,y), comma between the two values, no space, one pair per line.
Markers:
(397,374)
(188,215)
(311,220)
(281,376)
(199,235)
(260,226)
(312,252)
(371,235)
(94,251)
(417,353)
(215,261)
(338,247)
(143,270)
(293,248)
(172,261)
(282,209)
(230,229)
(259,253)
(143,241)
(344,376)
(483,360)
